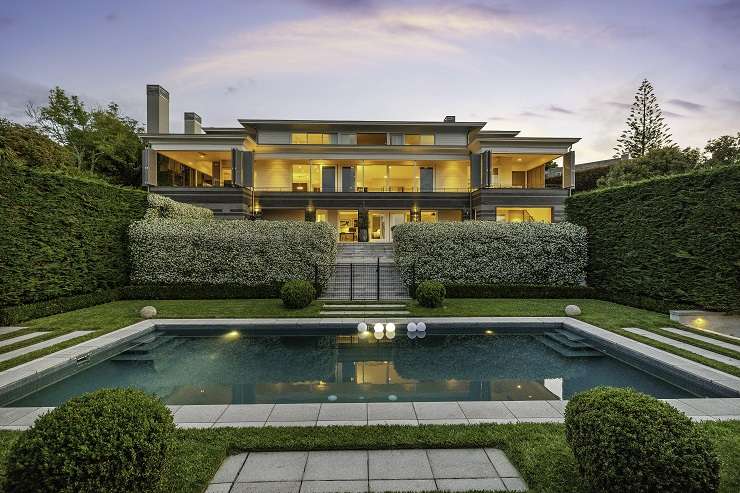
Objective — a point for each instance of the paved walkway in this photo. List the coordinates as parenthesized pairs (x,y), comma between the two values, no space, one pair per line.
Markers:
(687,347)
(382,413)
(9,329)
(367,470)
(42,345)
(24,337)
(710,340)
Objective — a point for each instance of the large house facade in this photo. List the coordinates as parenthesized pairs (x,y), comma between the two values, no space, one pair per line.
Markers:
(364,177)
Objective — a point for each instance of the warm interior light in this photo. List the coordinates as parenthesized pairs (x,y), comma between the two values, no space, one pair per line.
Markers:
(489,332)
(230,336)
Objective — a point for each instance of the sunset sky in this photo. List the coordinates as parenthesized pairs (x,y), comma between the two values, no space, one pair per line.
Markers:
(547,68)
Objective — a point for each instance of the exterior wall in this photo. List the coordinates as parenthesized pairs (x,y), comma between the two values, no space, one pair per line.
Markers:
(273,137)
(451,138)
(485,201)
(284,215)
(449,215)
(358,200)
(226,203)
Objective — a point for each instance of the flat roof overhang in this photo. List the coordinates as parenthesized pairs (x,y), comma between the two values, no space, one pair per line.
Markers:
(193,142)
(524,145)
(354,152)
(358,125)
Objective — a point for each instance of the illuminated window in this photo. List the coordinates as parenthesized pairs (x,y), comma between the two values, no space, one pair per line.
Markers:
(429,216)
(312,138)
(371,139)
(524,214)
(418,139)
(301,177)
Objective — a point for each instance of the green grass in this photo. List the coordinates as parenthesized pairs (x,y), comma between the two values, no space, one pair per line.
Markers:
(539,451)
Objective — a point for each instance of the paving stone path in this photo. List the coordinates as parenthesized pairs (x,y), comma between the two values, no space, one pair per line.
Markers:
(42,345)
(9,329)
(710,340)
(687,347)
(367,470)
(24,337)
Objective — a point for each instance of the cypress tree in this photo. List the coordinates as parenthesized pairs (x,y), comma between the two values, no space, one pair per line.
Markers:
(646,129)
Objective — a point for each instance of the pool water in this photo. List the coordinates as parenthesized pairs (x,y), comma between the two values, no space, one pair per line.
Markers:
(239,367)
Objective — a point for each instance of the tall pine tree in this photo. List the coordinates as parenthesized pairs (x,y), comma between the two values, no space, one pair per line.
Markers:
(645,127)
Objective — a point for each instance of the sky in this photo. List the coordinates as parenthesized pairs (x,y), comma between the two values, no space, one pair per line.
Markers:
(546,67)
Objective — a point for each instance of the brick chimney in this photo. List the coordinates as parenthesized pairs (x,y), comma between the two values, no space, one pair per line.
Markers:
(157,109)
(192,123)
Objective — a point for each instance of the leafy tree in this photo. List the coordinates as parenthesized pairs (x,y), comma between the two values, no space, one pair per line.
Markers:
(646,130)
(724,150)
(100,140)
(25,145)
(657,162)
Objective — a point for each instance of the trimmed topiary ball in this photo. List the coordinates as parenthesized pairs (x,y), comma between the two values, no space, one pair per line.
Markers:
(148,312)
(297,294)
(113,440)
(430,294)
(627,441)
(572,310)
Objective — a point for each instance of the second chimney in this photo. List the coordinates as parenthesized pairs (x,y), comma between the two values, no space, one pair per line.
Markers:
(157,109)
(450,119)
(192,123)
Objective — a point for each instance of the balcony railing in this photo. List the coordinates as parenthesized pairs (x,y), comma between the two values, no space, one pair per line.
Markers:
(367,190)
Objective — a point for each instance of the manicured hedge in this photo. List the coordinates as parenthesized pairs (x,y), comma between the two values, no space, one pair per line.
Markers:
(297,294)
(673,240)
(430,294)
(506,291)
(626,441)
(62,236)
(164,207)
(485,252)
(247,253)
(112,440)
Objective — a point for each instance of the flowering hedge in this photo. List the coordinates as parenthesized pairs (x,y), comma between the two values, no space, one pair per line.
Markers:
(485,252)
(247,253)
(160,206)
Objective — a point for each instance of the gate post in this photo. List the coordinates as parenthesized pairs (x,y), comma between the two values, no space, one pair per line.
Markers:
(351,282)
(377,281)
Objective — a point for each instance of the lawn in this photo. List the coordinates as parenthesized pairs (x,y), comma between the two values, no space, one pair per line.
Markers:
(539,451)
(111,316)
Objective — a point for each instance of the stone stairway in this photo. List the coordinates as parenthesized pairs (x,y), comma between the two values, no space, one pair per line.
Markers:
(365,271)
(362,309)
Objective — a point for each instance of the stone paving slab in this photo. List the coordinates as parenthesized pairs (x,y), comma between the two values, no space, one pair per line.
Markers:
(687,347)
(43,345)
(710,340)
(383,413)
(24,337)
(10,329)
(364,312)
(345,471)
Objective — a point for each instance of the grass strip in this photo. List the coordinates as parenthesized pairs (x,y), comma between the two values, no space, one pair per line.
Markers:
(539,451)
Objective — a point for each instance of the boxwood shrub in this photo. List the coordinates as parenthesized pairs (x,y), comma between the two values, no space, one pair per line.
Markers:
(430,294)
(62,236)
(509,291)
(113,440)
(627,441)
(246,253)
(297,294)
(673,239)
(164,207)
(486,252)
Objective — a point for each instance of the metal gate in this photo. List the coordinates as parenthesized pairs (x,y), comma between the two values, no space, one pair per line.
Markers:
(365,281)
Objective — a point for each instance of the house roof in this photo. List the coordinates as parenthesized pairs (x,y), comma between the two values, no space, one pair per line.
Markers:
(368,125)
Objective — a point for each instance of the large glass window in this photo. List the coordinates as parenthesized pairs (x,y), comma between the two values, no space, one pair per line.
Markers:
(418,139)
(524,214)
(371,139)
(193,168)
(312,138)
(301,177)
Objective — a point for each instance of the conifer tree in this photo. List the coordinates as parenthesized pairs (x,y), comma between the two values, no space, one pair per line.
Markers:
(646,129)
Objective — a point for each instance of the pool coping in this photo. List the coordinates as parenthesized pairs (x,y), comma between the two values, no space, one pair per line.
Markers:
(31,371)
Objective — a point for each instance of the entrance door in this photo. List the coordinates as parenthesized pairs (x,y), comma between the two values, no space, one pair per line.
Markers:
(378,226)
(328,178)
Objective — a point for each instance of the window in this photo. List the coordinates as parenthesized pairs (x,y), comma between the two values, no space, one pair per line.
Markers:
(429,216)
(524,214)
(418,139)
(371,139)
(312,138)
(301,177)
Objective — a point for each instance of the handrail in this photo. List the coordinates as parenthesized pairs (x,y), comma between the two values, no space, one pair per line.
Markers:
(367,190)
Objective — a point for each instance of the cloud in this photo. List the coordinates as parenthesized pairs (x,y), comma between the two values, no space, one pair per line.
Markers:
(733,103)
(687,105)
(111,17)
(6,21)
(496,118)
(532,114)
(341,40)
(343,4)
(559,109)
(16,93)
(672,114)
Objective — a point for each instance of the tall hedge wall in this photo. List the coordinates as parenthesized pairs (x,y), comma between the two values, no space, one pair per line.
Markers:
(672,239)
(485,252)
(61,236)
(246,253)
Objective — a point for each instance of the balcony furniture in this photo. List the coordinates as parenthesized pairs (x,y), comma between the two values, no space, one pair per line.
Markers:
(346,237)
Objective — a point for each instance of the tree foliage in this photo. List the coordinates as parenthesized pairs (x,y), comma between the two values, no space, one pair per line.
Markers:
(99,139)
(724,150)
(24,145)
(646,130)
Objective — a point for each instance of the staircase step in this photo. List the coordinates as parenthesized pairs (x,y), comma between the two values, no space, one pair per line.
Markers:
(366,312)
(567,352)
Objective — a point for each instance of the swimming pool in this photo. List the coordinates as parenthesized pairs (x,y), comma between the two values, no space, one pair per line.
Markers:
(243,365)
